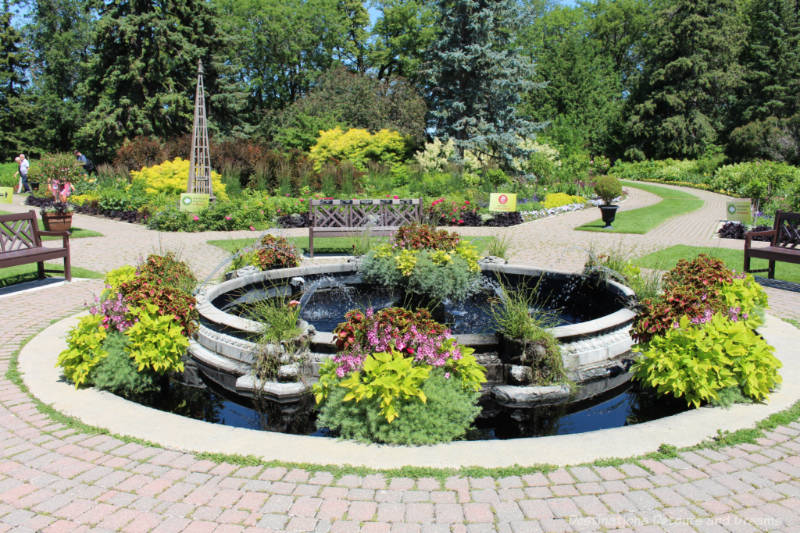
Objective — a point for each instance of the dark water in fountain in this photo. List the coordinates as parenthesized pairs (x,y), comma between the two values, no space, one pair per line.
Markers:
(619,407)
(324,300)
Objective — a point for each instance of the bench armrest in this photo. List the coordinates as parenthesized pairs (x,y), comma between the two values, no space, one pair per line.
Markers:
(54,233)
(748,237)
(63,234)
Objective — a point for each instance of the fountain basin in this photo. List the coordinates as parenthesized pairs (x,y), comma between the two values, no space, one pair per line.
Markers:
(594,336)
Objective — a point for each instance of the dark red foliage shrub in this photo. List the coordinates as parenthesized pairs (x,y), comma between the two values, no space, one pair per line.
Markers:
(423,236)
(690,289)
(276,252)
(168,283)
(139,152)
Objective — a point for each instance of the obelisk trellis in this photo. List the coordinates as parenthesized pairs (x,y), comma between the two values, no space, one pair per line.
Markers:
(200,160)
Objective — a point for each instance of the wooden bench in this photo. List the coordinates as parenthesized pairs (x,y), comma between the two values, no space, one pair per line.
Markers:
(344,218)
(21,243)
(784,244)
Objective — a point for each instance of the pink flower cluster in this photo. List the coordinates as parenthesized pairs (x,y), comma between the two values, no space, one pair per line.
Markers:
(114,311)
(430,349)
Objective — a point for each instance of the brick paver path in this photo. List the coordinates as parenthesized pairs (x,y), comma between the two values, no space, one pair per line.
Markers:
(56,478)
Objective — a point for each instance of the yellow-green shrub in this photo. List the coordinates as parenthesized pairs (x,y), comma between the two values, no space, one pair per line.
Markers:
(557,199)
(84,349)
(156,341)
(359,147)
(171,177)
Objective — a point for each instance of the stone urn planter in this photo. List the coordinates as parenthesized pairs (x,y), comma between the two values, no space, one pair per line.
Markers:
(608,188)
(57,221)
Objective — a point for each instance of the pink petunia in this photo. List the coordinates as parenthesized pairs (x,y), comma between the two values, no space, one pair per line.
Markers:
(227,217)
(252,228)
(195,218)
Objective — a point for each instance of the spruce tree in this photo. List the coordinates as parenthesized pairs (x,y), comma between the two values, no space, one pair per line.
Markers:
(14,116)
(142,74)
(682,103)
(475,78)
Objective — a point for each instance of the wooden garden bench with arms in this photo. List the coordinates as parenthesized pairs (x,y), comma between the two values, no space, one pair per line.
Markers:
(344,218)
(784,244)
(21,243)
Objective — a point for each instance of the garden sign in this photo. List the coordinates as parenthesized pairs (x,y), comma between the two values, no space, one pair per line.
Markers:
(193,202)
(504,202)
(6,195)
(739,211)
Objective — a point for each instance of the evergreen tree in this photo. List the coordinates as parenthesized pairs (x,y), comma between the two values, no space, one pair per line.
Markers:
(60,40)
(771,60)
(583,95)
(767,116)
(476,75)
(15,117)
(141,76)
(682,102)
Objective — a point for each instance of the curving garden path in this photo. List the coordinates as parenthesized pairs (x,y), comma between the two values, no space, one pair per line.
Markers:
(58,476)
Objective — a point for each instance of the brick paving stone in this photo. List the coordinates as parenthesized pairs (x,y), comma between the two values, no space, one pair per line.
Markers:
(47,468)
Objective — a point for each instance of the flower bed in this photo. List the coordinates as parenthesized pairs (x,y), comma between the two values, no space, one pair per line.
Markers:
(137,332)
(400,378)
(697,340)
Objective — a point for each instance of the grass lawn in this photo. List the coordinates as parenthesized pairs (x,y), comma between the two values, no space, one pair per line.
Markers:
(23,273)
(327,245)
(734,259)
(644,219)
(74,233)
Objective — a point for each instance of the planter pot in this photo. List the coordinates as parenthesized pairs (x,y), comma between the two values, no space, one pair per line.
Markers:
(57,221)
(609,212)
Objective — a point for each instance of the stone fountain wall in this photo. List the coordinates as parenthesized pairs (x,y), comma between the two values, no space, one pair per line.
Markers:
(596,353)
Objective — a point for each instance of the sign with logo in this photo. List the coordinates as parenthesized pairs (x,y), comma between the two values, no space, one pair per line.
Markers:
(504,202)
(194,202)
(6,195)
(739,211)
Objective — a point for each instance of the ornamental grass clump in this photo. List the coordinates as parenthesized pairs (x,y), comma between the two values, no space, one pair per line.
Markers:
(137,332)
(399,378)
(423,261)
(698,338)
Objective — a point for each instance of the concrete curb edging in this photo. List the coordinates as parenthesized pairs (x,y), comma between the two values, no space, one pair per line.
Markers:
(97,408)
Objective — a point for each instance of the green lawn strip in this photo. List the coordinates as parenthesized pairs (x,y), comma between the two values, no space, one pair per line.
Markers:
(643,219)
(327,245)
(74,233)
(793,322)
(723,439)
(22,273)
(734,259)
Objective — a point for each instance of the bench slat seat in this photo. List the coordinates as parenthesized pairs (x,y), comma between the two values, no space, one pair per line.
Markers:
(21,243)
(784,244)
(345,218)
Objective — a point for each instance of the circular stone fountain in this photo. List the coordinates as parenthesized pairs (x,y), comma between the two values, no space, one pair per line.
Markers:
(593,333)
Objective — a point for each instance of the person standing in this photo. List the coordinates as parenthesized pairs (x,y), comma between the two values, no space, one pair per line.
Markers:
(23,173)
(88,166)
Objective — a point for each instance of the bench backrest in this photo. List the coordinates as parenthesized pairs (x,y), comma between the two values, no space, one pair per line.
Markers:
(19,231)
(787,230)
(365,213)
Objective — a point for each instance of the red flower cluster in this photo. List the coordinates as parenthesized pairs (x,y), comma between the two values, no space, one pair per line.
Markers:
(452,214)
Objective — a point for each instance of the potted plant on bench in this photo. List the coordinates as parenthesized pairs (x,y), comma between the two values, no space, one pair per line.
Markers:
(608,188)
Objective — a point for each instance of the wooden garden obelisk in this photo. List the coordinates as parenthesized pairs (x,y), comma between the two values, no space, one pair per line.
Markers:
(200,160)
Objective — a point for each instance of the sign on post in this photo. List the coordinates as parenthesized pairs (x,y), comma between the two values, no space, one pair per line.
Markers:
(194,202)
(503,202)
(739,211)
(6,195)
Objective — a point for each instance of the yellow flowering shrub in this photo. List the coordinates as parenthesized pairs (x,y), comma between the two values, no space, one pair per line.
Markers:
(88,198)
(359,146)
(561,198)
(171,177)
